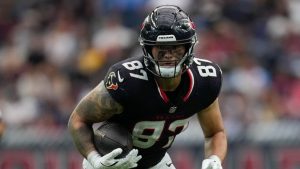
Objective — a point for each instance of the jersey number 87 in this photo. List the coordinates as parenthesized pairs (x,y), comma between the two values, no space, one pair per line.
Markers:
(155,131)
(204,71)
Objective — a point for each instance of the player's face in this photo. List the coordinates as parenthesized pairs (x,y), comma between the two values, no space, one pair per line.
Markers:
(168,55)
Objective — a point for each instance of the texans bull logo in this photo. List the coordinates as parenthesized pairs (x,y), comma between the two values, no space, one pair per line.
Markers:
(111,82)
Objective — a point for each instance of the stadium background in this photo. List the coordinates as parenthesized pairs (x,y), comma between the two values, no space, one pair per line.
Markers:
(53,51)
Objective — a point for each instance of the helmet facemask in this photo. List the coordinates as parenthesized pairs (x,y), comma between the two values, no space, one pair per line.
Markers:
(168,68)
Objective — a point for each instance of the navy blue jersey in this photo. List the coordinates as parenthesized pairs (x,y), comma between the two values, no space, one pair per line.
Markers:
(153,116)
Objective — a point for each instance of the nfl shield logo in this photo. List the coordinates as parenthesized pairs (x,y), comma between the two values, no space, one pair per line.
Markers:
(172,109)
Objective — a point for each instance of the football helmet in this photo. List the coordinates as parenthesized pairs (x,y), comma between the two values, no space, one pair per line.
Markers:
(168,25)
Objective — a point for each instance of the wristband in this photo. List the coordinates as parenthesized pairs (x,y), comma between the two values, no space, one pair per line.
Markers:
(92,157)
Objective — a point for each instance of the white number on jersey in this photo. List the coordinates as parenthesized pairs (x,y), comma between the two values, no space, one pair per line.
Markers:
(144,140)
(205,71)
(136,65)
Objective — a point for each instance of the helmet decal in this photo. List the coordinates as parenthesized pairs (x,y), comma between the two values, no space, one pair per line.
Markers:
(165,38)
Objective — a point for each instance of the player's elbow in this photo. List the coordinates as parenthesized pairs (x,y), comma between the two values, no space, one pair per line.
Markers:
(74,122)
(220,134)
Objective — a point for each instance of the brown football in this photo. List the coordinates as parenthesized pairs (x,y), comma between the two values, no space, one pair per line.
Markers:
(110,136)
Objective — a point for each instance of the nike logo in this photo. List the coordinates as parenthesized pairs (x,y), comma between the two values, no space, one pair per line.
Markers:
(120,78)
(169,165)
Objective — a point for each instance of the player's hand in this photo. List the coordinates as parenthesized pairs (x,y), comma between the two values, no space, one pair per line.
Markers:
(213,162)
(109,161)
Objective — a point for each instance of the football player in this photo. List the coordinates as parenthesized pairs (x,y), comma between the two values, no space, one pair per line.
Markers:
(154,96)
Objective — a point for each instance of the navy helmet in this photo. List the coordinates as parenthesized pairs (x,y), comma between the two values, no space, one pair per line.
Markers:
(168,25)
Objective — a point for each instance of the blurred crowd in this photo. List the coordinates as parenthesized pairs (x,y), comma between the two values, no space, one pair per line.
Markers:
(53,51)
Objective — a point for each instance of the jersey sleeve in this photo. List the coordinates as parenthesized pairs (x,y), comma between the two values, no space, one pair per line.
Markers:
(124,80)
(216,83)
(114,83)
(210,79)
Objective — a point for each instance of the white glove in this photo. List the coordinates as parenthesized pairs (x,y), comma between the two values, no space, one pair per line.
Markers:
(213,162)
(108,161)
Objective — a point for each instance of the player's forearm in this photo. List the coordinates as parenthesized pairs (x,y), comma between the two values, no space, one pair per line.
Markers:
(216,145)
(2,128)
(82,134)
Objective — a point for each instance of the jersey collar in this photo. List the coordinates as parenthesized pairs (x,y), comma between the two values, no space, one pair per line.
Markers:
(186,96)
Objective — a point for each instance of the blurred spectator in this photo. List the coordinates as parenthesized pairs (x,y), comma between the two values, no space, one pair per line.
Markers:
(18,111)
(61,42)
(91,61)
(221,42)
(292,101)
(293,6)
(233,108)
(129,11)
(113,39)
(248,77)
(7,21)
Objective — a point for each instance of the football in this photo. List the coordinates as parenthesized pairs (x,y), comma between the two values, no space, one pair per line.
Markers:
(110,136)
